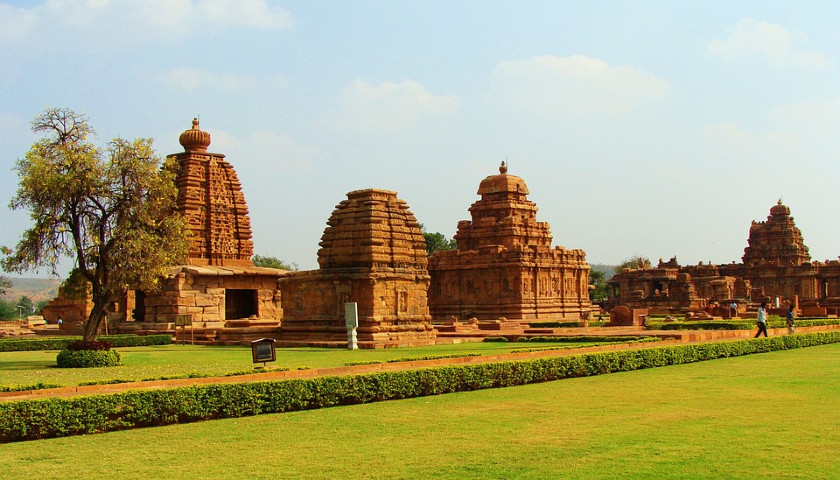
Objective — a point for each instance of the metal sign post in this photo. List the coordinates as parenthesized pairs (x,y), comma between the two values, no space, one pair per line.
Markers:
(182,321)
(351,321)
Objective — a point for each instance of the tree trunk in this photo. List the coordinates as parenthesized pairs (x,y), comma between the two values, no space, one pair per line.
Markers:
(97,316)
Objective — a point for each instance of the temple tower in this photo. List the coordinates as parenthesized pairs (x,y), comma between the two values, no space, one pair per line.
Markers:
(372,253)
(211,200)
(504,265)
(776,242)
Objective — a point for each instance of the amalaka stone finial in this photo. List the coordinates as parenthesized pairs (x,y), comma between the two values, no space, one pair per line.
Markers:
(194,140)
(503,168)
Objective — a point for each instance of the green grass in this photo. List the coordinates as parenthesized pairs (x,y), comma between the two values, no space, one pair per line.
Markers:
(167,361)
(759,416)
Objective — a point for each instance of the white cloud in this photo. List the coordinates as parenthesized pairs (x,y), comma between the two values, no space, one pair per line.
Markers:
(773,43)
(388,106)
(192,79)
(262,153)
(813,114)
(732,145)
(575,84)
(66,23)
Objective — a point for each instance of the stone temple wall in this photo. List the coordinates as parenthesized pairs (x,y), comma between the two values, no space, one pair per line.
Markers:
(202,293)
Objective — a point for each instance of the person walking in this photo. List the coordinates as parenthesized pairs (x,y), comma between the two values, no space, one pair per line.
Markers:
(761,319)
(789,319)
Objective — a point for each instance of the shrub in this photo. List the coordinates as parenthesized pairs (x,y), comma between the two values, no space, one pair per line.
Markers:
(88,358)
(88,345)
(59,343)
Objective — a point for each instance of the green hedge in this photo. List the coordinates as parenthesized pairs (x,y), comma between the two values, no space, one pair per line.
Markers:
(60,343)
(88,358)
(56,417)
(737,324)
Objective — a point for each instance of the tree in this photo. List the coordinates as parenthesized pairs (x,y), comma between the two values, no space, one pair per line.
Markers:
(7,310)
(598,280)
(633,262)
(274,262)
(436,242)
(27,305)
(4,284)
(112,210)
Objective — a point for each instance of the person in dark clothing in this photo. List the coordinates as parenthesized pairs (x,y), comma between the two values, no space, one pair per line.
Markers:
(789,319)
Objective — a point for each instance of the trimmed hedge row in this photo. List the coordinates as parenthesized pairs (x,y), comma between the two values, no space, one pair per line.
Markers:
(56,417)
(577,339)
(745,324)
(60,343)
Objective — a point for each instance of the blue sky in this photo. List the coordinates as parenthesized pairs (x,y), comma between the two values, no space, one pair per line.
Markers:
(652,128)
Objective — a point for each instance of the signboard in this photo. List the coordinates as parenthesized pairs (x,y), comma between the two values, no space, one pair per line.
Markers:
(262,350)
(351,315)
(351,321)
(182,321)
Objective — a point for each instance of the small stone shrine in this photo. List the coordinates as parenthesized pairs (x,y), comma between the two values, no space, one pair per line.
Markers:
(504,265)
(219,290)
(372,253)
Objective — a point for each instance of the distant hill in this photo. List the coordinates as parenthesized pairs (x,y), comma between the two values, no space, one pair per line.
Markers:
(36,289)
(607,270)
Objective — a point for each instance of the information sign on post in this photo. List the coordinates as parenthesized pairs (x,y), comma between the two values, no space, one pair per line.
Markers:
(262,350)
(182,321)
(351,321)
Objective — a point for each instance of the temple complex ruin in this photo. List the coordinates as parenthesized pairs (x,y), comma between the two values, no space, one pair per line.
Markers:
(504,265)
(776,268)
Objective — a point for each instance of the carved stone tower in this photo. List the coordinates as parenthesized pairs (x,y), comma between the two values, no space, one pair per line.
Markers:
(504,265)
(210,198)
(776,242)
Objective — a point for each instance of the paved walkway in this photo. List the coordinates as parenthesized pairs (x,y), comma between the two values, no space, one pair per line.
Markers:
(674,337)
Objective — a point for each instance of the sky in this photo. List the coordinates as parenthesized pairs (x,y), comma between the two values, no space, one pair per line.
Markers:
(651,128)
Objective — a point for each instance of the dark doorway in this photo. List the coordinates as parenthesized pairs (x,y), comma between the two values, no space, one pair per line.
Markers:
(139,312)
(240,303)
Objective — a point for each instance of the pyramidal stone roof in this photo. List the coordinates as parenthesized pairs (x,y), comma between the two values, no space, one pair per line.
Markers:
(373,230)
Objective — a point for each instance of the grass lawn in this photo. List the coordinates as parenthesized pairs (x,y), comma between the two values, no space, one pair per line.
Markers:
(772,415)
(140,363)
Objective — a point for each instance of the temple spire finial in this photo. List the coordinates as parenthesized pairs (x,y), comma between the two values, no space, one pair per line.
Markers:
(503,168)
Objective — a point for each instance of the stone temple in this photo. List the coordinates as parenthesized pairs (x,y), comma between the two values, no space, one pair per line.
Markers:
(372,253)
(776,268)
(504,265)
(219,289)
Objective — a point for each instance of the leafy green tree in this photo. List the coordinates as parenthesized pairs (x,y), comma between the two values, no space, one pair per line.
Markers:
(633,262)
(436,242)
(8,311)
(112,210)
(27,305)
(274,262)
(601,291)
(40,306)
